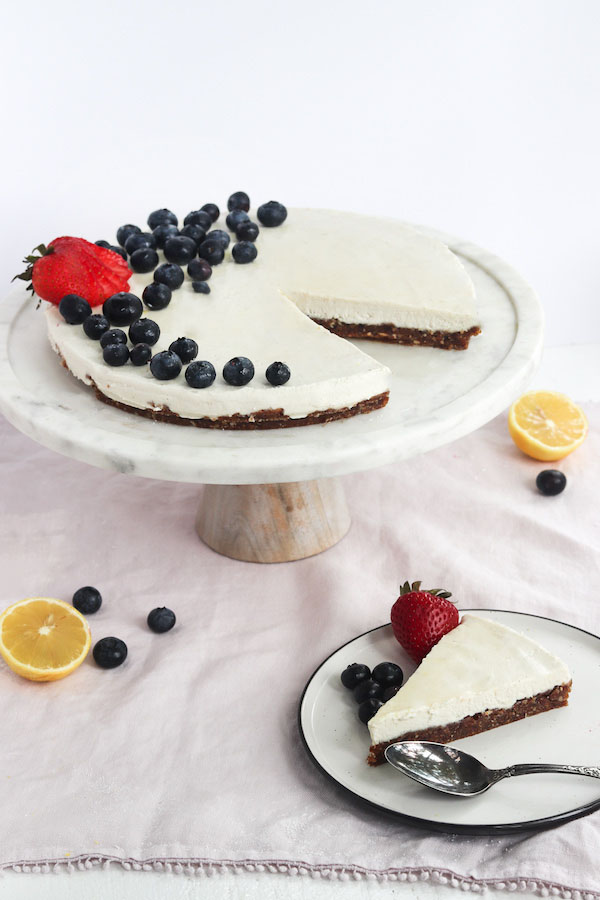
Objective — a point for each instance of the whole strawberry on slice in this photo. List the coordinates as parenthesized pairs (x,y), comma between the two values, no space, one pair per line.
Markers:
(70,265)
(420,618)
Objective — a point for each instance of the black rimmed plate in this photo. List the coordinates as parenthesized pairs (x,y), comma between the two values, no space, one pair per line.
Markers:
(338,743)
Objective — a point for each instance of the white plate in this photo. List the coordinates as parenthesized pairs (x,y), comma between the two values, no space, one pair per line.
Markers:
(338,743)
(435,397)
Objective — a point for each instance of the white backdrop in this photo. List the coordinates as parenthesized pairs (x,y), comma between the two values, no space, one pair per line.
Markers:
(479,117)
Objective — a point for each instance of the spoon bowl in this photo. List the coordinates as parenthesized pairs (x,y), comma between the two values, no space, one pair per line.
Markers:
(452,771)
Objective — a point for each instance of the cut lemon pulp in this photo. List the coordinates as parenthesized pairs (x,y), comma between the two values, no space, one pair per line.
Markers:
(43,639)
(546,425)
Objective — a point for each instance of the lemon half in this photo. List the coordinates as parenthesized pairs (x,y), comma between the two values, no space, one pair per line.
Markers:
(546,425)
(43,639)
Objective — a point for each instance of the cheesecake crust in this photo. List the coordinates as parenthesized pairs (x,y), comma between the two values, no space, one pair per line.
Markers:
(392,334)
(484,721)
(259,420)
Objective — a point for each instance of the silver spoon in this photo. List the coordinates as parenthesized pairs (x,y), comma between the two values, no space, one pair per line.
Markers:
(453,771)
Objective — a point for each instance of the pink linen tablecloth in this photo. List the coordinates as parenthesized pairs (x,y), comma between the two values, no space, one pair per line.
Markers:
(136,765)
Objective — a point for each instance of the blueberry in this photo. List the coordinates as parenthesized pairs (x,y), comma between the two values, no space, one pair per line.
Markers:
(165,365)
(122,308)
(102,244)
(271,214)
(116,354)
(247,231)
(180,249)
(212,209)
(163,232)
(87,600)
(368,708)
(185,348)
(390,692)
(110,652)
(354,674)
(138,240)
(122,253)
(143,260)
(235,219)
(126,231)
(199,217)
(161,217)
(196,232)
(244,252)
(201,287)
(200,374)
(367,689)
(144,331)
(212,251)
(140,354)
(549,482)
(157,295)
(277,373)
(199,270)
(74,309)
(239,200)
(95,326)
(238,371)
(113,336)
(220,236)
(388,673)
(161,619)
(170,274)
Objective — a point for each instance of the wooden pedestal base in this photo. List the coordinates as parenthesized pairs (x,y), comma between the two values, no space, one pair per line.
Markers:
(273,522)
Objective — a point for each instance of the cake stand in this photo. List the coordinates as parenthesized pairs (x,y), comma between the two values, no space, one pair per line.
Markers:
(273,495)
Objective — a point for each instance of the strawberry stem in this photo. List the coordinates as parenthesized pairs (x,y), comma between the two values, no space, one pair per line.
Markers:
(27,275)
(408,588)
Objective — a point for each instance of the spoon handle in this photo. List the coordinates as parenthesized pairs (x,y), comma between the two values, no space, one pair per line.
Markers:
(536,768)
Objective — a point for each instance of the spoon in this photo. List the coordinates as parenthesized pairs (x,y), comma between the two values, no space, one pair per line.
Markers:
(453,771)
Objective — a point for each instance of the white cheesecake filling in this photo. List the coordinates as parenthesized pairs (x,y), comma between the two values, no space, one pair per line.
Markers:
(319,263)
(478,665)
(360,313)
(361,269)
(327,371)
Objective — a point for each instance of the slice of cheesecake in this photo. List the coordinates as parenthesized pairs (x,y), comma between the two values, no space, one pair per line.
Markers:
(478,676)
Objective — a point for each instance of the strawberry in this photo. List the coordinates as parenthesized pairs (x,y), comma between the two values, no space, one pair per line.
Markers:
(421,618)
(70,265)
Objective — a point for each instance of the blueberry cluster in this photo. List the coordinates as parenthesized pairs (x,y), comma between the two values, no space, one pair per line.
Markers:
(371,689)
(110,652)
(200,271)
(168,364)
(179,245)
(125,310)
(196,245)
(246,231)
(195,242)
(240,370)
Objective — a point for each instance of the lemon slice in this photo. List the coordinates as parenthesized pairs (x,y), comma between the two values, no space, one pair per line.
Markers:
(43,639)
(546,425)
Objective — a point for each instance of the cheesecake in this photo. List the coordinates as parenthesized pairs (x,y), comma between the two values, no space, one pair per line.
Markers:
(320,278)
(478,676)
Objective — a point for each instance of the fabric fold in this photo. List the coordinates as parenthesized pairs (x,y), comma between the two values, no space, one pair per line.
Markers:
(188,757)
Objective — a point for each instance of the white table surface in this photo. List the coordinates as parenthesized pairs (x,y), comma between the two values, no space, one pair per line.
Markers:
(574,370)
